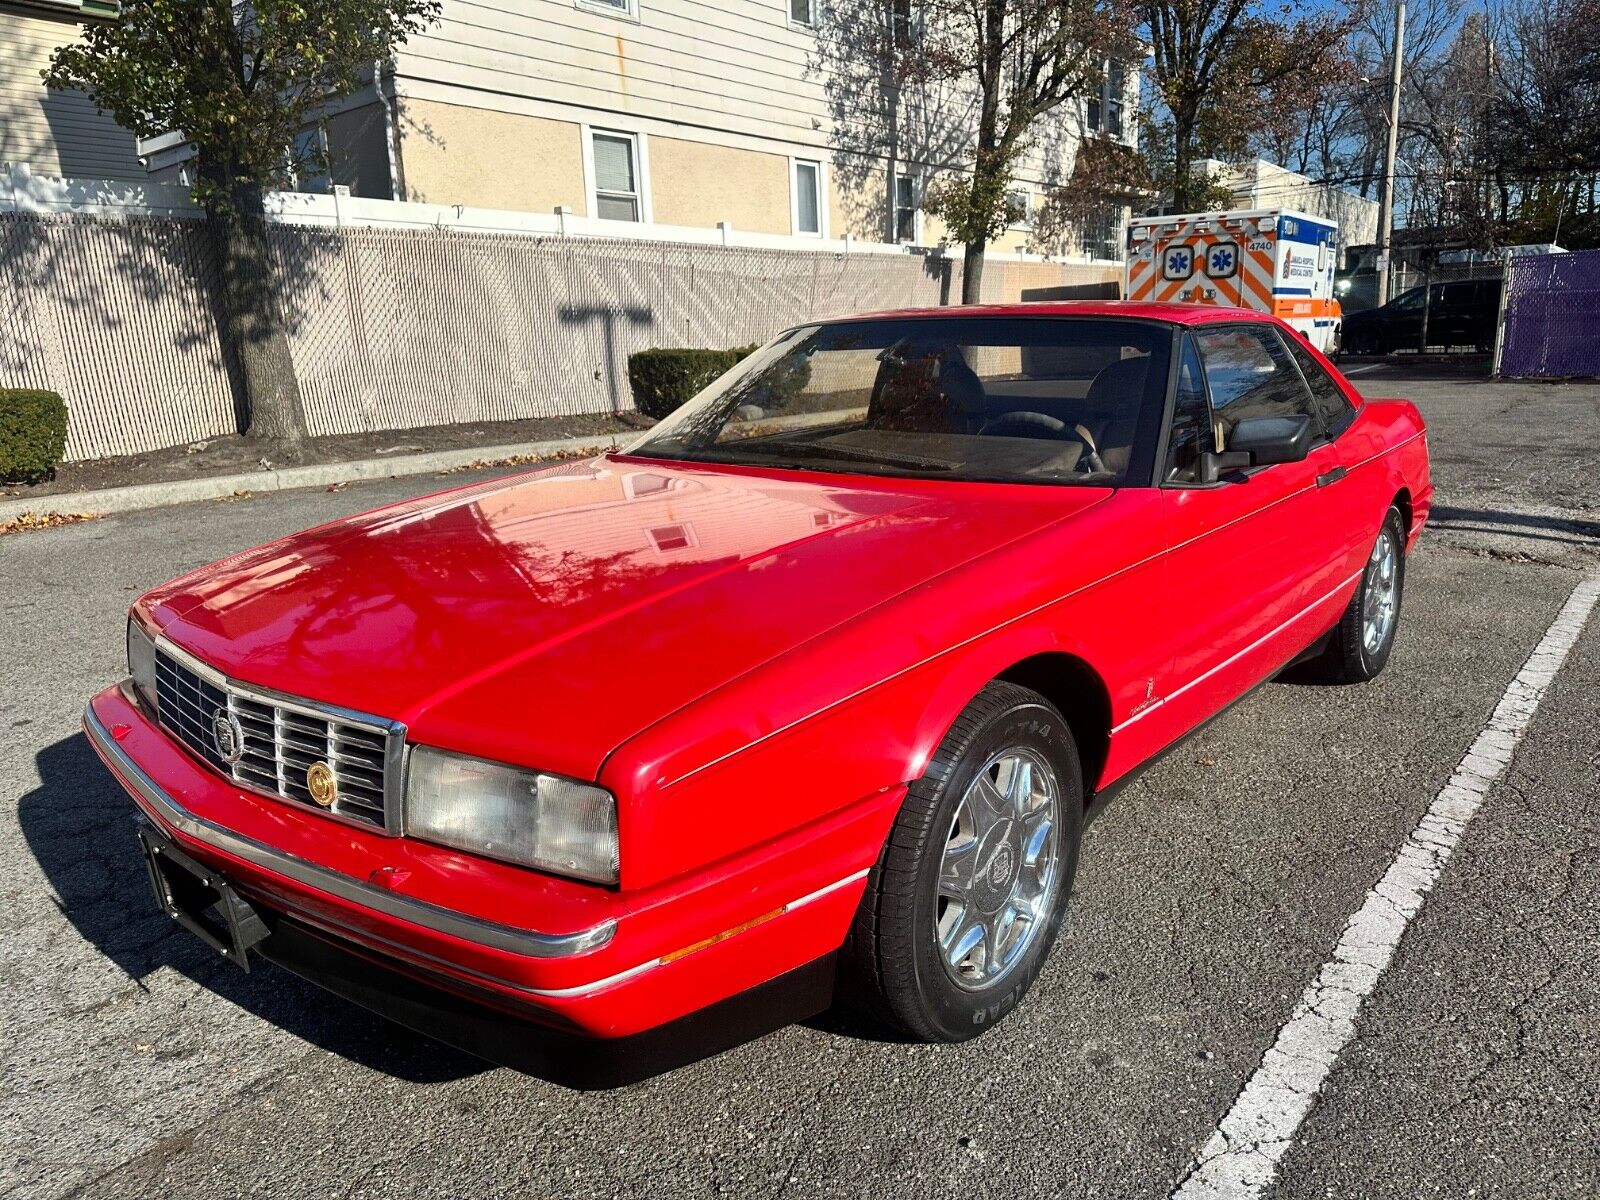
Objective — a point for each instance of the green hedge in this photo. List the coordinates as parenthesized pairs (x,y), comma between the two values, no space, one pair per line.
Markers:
(33,434)
(663,379)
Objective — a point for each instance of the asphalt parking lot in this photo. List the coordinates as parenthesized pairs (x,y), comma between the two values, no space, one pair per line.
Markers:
(1209,896)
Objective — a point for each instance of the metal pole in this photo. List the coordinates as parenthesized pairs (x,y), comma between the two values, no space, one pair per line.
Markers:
(1386,204)
(1500,317)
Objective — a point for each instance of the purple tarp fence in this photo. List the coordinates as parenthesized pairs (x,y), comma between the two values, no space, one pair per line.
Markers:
(1552,316)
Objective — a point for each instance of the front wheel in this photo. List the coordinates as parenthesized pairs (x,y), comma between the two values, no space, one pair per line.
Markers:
(1364,637)
(971,888)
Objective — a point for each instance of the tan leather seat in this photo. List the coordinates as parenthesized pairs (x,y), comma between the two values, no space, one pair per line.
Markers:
(1117,395)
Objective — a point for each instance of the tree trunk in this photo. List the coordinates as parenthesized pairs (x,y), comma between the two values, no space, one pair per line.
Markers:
(252,316)
(972,273)
(1185,189)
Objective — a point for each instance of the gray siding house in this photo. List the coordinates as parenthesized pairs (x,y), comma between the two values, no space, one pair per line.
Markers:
(55,132)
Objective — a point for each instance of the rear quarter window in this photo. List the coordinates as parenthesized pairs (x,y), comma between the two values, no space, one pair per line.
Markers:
(1332,411)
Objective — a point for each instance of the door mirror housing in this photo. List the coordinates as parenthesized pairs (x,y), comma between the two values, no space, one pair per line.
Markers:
(1260,442)
(1272,439)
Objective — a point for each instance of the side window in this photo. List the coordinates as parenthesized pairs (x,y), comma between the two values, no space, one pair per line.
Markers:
(1250,374)
(1409,301)
(1334,412)
(1191,420)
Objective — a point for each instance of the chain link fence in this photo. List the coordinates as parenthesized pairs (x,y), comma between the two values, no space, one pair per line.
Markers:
(392,329)
(1552,317)
(120,317)
(1438,309)
(399,328)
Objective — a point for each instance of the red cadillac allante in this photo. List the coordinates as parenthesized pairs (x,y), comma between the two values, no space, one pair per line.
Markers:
(828,668)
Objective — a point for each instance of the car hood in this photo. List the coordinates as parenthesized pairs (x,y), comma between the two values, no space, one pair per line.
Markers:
(547,618)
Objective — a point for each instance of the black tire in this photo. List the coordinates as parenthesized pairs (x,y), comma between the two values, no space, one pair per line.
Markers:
(893,955)
(1354,657)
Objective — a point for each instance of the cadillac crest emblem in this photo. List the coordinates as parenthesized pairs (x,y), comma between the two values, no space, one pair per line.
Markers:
(321,784)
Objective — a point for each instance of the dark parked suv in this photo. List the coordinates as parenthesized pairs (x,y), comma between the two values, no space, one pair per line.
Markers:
(1457,314)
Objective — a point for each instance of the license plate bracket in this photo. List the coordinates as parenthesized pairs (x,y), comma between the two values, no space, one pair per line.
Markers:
(200,900)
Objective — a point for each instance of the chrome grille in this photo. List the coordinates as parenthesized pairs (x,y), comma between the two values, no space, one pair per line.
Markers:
(282,738)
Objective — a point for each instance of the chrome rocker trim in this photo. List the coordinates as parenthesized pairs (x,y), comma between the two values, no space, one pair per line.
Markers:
(525,942)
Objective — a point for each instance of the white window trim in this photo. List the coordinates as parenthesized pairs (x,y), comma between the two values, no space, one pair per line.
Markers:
(641,167)
(1025,221)
(802,26)
(1107,97)
(298,177)
(630,13)
(794,197)
(916,206)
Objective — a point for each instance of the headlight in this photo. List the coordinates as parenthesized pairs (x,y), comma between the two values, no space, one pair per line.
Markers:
(142,662)
(519,816)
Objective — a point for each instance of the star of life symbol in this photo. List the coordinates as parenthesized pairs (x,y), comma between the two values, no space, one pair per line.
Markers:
(1222,261)
(1177,263)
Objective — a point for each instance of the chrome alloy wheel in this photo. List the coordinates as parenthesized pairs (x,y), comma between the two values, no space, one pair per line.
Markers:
(1382,597)
(998,876)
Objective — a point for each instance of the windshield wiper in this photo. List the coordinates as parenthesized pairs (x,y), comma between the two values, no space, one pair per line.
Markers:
(795,451)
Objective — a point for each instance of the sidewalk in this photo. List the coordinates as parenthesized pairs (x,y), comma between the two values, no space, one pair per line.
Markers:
(233,465)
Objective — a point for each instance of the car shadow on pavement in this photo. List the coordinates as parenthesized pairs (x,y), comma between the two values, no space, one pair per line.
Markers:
(1573,531)
(79,824)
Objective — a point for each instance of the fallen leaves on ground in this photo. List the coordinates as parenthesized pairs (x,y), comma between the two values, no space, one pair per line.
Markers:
(30,521)
(517,460)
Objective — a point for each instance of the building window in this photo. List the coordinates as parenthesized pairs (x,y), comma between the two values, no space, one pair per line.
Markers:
(905,208)
(1020,203)
(803,13)
(807,188)
(907,25)
(309,171)
(615,8)
(1101,234)
(616,176)
(1105,109)
(636,485)
(673,537)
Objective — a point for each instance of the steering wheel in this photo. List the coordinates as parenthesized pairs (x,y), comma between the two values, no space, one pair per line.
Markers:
(1025,423)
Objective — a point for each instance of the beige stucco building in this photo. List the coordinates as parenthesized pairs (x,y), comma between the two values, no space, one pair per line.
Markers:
(761,114)
(766,116)
(1261,184)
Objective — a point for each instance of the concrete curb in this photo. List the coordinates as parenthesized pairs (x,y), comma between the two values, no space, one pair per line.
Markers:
(185,491)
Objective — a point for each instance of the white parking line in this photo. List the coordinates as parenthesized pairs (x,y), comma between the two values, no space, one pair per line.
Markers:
(1241,1157)
(1359,370)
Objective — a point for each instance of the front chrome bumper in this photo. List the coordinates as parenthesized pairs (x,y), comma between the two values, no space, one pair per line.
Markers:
(506,938)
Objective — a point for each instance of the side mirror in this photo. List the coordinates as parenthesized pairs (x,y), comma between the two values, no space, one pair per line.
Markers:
(1260,442)
(1272,439)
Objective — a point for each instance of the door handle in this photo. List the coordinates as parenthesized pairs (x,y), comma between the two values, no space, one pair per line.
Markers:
(1332,476)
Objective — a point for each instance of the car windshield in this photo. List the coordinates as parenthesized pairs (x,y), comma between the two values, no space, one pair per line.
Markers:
(1025,400)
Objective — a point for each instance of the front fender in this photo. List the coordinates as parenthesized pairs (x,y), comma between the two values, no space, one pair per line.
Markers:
(859,711)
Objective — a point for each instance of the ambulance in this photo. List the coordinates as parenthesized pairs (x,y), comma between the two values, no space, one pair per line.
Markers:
(1273,260)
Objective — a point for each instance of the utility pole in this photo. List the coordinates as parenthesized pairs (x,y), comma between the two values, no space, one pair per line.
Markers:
(1386,204)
